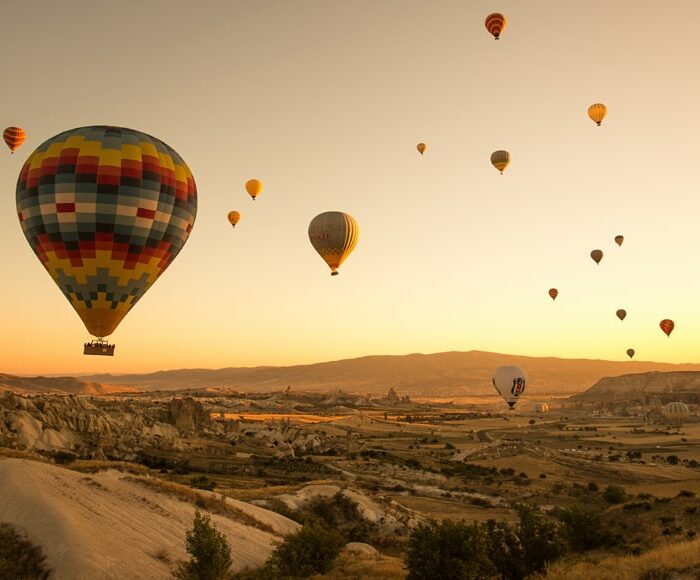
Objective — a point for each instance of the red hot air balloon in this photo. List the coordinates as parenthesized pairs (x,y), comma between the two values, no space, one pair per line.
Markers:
(667,326)
(495,24)
(14,137)
(553,293)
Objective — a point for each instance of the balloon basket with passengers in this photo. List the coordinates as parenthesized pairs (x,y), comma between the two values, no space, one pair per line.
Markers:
(98,347)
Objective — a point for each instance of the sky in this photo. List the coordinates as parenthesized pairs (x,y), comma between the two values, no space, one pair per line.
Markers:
(325,101)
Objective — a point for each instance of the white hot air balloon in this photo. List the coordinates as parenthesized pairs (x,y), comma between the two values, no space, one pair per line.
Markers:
(542,408)
(677,413)
(510,382)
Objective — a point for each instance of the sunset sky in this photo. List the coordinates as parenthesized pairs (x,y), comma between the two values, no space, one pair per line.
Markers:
(325,101)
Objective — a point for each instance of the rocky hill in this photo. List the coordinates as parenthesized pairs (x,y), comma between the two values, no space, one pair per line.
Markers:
(68,385)
(448,373)
(681,385)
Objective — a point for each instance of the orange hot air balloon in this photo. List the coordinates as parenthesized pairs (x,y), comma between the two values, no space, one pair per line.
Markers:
(14,137)
(630,352)
(495,24)
(233,218)
(667,326)
(621,314)
(597,256)
(421,148)
(619,240)
(253,187)
(553,293)
(597,112)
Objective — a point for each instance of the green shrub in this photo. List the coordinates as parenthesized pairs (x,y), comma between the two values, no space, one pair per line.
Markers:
(203,482)
(19,558)
(614,494)
(211,554)
(583,528)
(311,550)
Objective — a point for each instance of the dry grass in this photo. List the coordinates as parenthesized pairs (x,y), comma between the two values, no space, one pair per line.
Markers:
(679,557)
(205,500)
(7,453)
(93,466)
(352,567)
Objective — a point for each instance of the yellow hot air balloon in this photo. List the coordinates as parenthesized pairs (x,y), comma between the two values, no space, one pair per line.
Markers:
(334,235)
(597,112)
(421,148)
(253,187)
(233,218)
(500,160)
(597,256)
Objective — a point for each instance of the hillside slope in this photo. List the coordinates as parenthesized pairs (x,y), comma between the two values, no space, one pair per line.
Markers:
(69,385)
(685,384)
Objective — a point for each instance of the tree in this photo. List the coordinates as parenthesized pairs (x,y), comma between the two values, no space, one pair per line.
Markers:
(449,551)
(311,550)
(19,558)
(211,553)
(583,528)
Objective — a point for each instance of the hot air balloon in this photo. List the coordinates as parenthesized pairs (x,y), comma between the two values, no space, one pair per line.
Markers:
(677,413)
(621,314)
(495,24)
(553,293)
(421,148)
(500,160)
(667,326)
(106,210)
(233,218)
(14,137)
(541,408)
(619,240)
(510,382)
(253,187)
(630,352)
(597,256)
(597,112)
(334,235)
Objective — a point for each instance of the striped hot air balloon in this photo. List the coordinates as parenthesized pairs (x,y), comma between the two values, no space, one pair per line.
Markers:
(495,24)
(677,413)
(500,160)
(106,210)
(597,112)
(14,137)
(334,235)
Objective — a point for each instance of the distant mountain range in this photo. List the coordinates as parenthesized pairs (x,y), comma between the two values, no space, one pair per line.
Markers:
(447,373)
(441,374)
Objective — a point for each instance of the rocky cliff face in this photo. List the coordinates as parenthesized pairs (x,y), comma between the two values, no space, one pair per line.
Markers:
(75,424)
(683,385)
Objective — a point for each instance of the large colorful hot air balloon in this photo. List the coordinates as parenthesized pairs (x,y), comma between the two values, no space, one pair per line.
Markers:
(495,24)
(619,240)
(253,187)
(597,256)
(667,326)
(597,112)
(421,148)
(553,293)
(334,235)
(677,413)
(630,352)
(500,160)
(233,218)
(106,210)
(541,408)
(621,314)
(14,137)
(510,382)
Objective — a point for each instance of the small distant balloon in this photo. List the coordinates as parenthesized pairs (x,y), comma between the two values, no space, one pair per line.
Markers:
(630,352)
(14,137)
(500,160)
(254,187)
(553,293)
(667,326)
(233,218)
(510,382)
(421,148)
(334,235)
(597,113)
(621,314)
(495,23)
(597,256)
(619,240)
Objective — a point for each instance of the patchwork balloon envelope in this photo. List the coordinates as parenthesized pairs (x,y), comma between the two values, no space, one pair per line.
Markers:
(106,210)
